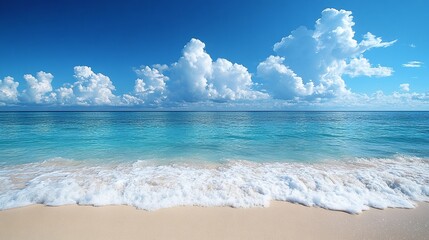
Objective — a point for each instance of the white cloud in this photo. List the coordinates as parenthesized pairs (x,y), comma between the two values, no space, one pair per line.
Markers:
(412,45)
(323,55)
(8,91)
(65,95)
(331,83)
(89,89)
(131,100)
(405,87)
(38,88)
(376,101)
(195,77)
(403,101)
(334,34)
(152,84)
(231,81)
(300,49)
(413,64)
(361,67)
(281,81)
(189,75)
(92,88)
(371,41)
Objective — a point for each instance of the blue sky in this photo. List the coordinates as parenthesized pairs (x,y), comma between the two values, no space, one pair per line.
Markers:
(214,55)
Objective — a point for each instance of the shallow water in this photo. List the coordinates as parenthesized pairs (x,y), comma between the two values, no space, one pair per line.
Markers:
(337,160)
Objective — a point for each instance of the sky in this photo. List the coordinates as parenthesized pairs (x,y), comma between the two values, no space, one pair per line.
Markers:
(214,55)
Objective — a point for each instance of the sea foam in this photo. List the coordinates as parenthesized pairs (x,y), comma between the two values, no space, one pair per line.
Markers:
(347,185)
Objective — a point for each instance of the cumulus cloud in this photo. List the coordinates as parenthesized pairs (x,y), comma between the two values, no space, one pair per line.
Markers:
(190,74)
(405,87)
(412,64)
(281,81)
(196,77)
(323,55)
(361,67)
(89,89)
(65,96)
(8,91)
(38,88)
(231,81)
(152,84)
(92,88)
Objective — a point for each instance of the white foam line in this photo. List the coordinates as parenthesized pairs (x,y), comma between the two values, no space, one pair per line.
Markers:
(351,186)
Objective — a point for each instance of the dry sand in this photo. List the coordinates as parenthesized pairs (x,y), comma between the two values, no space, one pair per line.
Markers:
(280,221)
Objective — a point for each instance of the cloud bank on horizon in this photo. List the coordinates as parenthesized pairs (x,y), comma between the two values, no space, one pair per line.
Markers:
(306,70)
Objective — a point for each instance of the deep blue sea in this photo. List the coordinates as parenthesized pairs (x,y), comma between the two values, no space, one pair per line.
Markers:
(346,161)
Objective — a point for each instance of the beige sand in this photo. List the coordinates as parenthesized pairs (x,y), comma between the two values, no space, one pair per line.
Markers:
(280,221)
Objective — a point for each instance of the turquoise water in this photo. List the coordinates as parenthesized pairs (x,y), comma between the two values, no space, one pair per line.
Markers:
(337,160)
(211,136)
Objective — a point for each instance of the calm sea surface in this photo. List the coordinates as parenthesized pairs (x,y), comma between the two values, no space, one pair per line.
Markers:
(211,136)
(336,160)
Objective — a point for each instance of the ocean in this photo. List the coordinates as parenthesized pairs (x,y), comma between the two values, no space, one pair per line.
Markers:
(348,161)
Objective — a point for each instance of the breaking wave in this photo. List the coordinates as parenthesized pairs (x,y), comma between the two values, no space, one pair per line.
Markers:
(347,185)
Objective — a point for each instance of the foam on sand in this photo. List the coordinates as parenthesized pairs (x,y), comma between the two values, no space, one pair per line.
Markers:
(352,185)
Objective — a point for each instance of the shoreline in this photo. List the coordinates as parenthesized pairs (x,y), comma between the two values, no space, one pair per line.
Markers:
(351,185)
(282,220)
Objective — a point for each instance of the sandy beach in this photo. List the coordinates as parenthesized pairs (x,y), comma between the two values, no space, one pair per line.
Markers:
(281,220)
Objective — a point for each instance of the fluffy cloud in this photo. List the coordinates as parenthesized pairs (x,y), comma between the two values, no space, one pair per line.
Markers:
(38,88)
(405,87)
(281,81)
(91,88)
(8,91)
(361,67)
(151,85)
(196,77)
(412,64)
(190,74)
(65,95)
(231,81)
(323,55)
